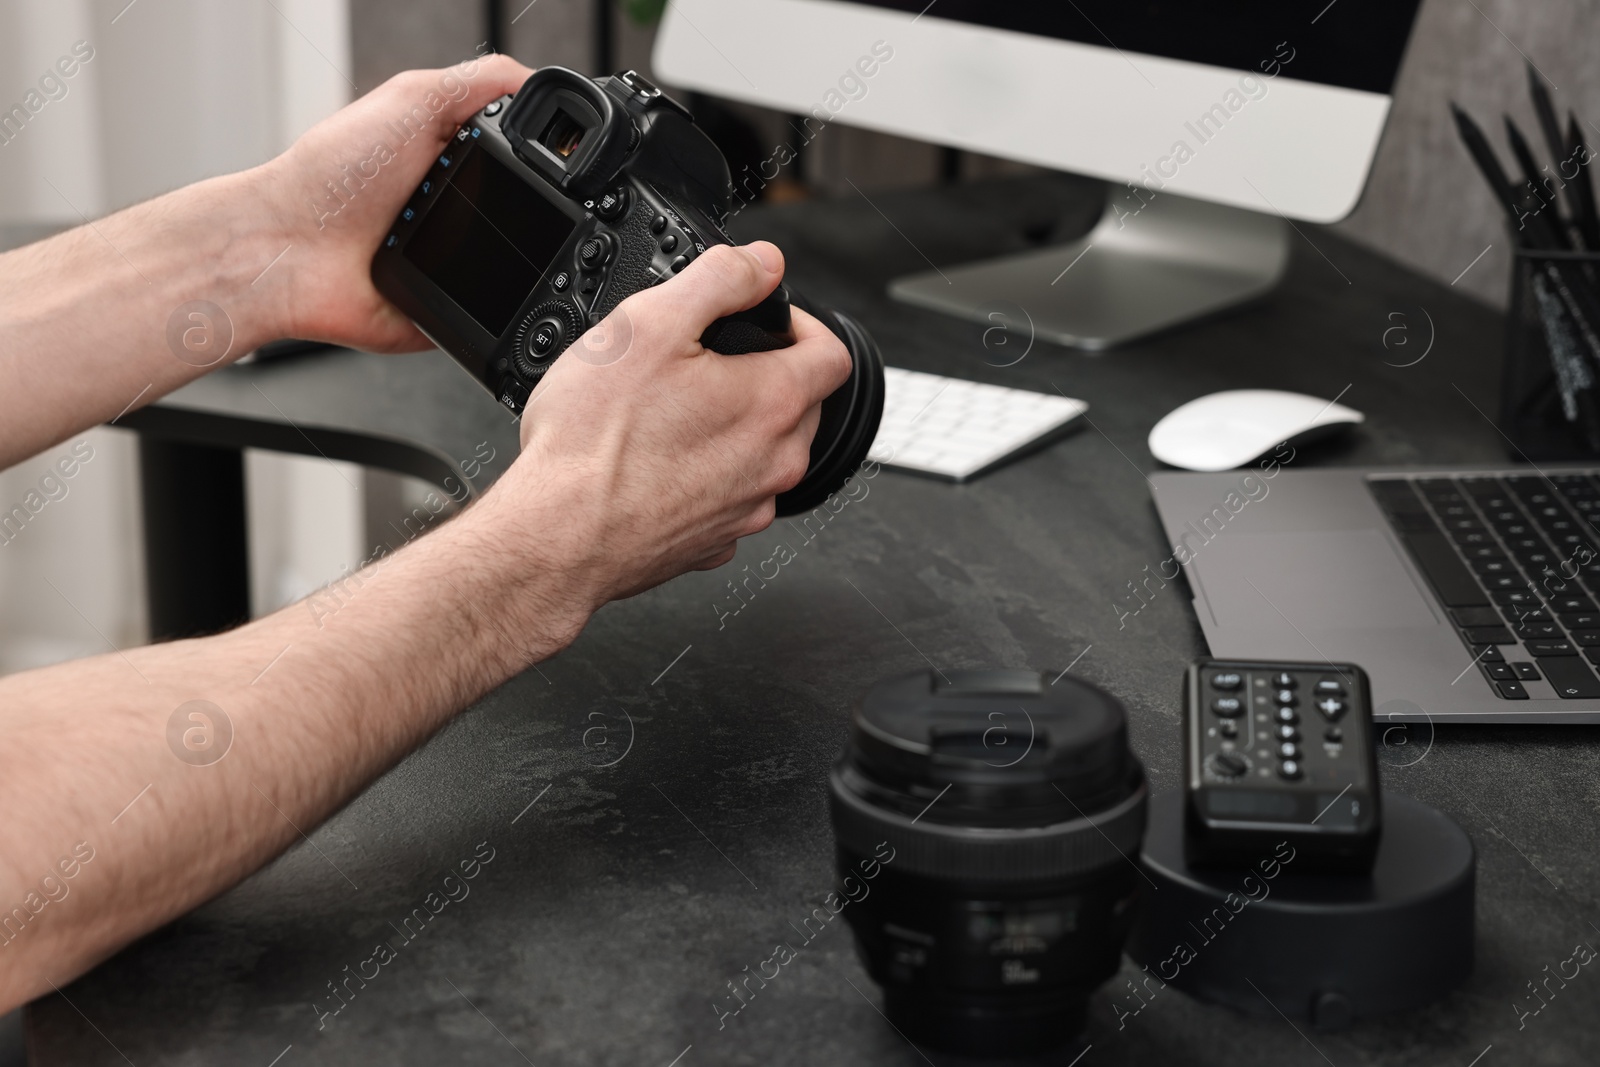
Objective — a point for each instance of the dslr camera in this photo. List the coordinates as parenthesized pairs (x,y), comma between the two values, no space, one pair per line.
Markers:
(549,208)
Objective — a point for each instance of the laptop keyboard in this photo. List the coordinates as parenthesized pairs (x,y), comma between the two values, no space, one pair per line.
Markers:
(1514,560)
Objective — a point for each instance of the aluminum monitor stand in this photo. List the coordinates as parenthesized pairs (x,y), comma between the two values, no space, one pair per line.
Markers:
(1174,260)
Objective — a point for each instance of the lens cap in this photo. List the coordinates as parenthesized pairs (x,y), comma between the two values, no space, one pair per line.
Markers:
(999,748)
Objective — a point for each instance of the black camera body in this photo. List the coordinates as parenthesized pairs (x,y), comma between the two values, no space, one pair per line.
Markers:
(551,207)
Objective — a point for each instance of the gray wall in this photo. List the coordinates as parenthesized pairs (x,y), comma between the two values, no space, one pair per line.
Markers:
(1424,204)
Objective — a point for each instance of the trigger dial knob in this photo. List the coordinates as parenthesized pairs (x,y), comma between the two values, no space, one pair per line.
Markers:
(1229,764)
(543,335)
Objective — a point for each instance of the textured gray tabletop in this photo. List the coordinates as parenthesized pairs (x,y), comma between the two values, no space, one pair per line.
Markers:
(653,800)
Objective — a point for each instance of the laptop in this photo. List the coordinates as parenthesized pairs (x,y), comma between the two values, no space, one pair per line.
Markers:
(1468,595)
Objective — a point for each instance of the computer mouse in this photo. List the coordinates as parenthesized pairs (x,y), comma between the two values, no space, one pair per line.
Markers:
(1229,429)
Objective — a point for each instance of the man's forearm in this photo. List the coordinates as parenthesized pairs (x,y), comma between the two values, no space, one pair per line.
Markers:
(111,313)
(318,704)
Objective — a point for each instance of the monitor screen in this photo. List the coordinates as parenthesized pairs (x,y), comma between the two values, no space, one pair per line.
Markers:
(1353,44)
(488,240)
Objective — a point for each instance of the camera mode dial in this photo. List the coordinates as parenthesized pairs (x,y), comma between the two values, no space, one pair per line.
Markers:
(543,335)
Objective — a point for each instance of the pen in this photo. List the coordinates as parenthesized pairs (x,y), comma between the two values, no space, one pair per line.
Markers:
(1585,216)
(1533,234)
(1541,188)
(1545,111)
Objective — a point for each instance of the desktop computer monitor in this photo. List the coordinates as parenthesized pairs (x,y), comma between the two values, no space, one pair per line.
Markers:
(1213,123)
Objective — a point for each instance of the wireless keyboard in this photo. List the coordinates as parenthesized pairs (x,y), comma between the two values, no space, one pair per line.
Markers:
(955,429)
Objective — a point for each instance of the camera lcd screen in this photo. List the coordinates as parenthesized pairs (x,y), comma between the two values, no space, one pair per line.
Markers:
(488,240)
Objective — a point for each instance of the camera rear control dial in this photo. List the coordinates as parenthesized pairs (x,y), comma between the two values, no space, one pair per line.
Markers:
(543,335)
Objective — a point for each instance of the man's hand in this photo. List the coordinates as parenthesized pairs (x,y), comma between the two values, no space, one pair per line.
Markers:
(282,250)
(644,456)
(337,191)
(659,453)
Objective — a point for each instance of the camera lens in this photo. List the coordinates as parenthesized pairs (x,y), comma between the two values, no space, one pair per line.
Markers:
(1000,815)
(850,415)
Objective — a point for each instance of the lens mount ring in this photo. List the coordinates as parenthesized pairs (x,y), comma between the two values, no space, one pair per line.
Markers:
(986,854)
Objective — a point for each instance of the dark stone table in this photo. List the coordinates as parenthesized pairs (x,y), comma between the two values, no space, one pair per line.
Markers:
(654,799)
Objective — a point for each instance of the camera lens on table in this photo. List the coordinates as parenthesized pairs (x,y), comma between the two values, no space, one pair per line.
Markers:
(1004,815)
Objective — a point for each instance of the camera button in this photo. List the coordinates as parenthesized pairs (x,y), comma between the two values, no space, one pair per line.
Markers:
(595,252)
(493,108)
(589,286)
(544,338)
(669,243)
(560,282)
(658,224)
(679,263)
(612,205)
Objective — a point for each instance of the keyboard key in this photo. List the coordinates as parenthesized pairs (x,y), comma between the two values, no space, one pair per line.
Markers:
(1490,635)
(1517,598)
(1539,631)
(1486,654)
(1586,638)
(1488,568)
(1571,678)
(1582,621)
(1540,649)
(1526,672)
(1499,672)
(1445,572)
(1512,690)
(1476,616)
(1573,605)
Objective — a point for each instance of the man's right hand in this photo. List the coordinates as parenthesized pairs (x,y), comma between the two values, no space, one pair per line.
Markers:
(645,454)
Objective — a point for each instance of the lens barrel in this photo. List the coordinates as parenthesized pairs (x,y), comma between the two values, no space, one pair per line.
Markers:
(1014,810)
(850,415)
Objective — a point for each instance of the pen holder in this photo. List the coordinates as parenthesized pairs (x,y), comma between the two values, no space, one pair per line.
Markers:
(1550,383)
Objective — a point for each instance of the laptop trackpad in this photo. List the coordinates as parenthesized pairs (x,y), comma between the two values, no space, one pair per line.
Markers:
(1329,580)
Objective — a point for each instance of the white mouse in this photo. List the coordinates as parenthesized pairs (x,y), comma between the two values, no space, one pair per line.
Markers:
(1227,430)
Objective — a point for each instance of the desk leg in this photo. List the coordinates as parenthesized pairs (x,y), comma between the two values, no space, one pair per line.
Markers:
(196,552)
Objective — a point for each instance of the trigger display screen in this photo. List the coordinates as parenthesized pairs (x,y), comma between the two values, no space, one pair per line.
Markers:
(488,239)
